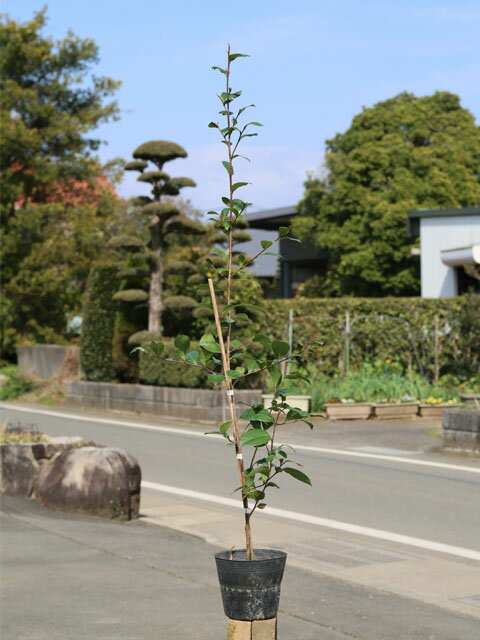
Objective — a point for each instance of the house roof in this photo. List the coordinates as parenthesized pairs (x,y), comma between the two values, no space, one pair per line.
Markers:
(271,218)
(413,227)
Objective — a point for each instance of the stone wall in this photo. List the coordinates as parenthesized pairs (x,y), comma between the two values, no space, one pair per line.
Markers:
(46,360)
(461,430)
(189,404)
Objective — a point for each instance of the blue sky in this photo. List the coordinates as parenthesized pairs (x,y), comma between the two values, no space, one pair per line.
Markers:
(314,64)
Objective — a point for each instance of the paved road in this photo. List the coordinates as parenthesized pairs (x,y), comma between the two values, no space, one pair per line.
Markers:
(70,577)
(439,504)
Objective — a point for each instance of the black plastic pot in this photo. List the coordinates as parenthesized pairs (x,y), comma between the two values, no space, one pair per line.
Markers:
(250,588)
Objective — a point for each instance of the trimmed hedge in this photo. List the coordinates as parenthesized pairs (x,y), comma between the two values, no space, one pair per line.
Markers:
(152,371)
(98,324)
(406,333)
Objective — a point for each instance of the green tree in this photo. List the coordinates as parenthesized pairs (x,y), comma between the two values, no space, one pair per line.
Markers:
(49,105)
(57,207)
(165,222)
(404,153)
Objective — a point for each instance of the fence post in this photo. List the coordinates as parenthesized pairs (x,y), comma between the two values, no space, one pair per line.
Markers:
(436,351)
(347,342)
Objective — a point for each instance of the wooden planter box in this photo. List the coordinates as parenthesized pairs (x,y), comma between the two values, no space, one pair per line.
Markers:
(349,410)
(435,410)
(299,402)
(389,410)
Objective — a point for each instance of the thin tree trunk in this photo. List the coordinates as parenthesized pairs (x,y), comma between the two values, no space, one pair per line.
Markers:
(155,304)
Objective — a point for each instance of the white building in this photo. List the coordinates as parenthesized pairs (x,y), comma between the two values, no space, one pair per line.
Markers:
(449,250)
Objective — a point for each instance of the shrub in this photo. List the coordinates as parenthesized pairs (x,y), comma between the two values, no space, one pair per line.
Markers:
(16,385)
(98,324)
(158,373)
(406,332)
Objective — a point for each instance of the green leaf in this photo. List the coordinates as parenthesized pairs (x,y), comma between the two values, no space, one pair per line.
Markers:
(228,167)
(213,125)
(157,348)
(280,348)
(260,415)
(255,124)
(234,56)
(225,427)
(263,339)
(236,373)
(138,349)
(182,343)
(283,231)
(276,375)
(224,71)
(254,438)
(212,347)
(265,244)
(216,378)
(296,414)
(261,505)
(237,185)
(192,356)
(298,475)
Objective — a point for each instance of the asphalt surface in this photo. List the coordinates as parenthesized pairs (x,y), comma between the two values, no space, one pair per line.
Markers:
(66,576)
(70,577)
(431,503)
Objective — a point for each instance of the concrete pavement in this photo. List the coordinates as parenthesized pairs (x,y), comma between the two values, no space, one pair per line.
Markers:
(68,577)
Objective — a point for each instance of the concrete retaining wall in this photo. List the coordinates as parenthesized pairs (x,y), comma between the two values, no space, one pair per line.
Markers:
(46,360)
(176,402)
(461,430)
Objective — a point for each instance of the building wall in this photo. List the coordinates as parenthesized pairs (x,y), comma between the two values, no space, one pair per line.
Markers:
(439,234)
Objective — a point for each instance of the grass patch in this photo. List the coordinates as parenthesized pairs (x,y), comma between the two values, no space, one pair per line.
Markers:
(15,385)
(15,436)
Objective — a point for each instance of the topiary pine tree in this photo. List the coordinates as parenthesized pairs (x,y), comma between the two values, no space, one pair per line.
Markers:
(165,222)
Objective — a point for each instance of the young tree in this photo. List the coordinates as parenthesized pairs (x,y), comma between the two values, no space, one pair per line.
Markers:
(401,154)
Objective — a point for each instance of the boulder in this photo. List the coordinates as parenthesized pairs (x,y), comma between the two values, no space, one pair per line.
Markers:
(19,469)
(96,481)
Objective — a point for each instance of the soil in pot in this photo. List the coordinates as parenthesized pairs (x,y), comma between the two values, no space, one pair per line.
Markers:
(250,588)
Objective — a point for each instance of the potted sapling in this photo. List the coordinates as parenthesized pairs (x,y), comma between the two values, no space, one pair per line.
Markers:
(250,577)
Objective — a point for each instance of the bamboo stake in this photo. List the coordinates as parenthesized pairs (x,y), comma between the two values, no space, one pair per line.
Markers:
(234,418)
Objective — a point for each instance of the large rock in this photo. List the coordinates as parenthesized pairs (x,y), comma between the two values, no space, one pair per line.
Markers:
(97,481)
(19,469)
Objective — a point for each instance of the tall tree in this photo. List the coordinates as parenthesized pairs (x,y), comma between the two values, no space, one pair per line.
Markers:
(165,220)
(404,153)
(56,205)
(49,105)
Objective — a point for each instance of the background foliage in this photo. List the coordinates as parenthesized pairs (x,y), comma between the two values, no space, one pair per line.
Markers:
(401,154)
(57,206)
(387,338)
(96,357)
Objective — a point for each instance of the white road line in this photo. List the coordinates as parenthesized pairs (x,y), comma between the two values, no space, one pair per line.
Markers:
(298,447)
(390,536)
